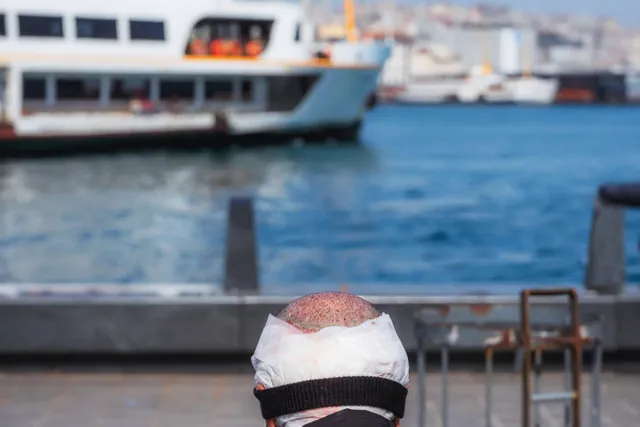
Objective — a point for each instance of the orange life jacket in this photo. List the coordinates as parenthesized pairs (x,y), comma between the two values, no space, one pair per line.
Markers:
(197,47)
(233,48)
(216,47)
(253,48)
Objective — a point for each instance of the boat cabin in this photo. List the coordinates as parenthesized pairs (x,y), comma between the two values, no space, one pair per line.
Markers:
(54,93)
(228,37)
(81,59)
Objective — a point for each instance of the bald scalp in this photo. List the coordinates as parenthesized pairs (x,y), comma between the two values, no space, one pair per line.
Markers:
(313,312)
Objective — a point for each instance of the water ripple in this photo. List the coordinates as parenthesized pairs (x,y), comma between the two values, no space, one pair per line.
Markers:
(454,197)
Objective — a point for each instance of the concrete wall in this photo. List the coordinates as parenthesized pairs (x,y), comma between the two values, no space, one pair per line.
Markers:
(222,325)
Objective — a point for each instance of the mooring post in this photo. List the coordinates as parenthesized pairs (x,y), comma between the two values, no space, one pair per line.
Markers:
(606,267)
(606,263)
(241,264)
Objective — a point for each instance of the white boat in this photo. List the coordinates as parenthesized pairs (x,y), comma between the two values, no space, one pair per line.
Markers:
(472,89)
(522,90)
(482,85)
(632,83)
(534,90)
(430,91)
(79,72)
(490,88)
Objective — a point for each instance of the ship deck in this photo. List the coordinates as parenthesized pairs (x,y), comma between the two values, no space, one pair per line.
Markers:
(207,399)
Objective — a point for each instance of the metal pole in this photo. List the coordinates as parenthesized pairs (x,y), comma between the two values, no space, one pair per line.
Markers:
(536,385)
(445,386)
(596,409)
(525,340)
(488,386)
(567,387)
(576,360)
(422,404)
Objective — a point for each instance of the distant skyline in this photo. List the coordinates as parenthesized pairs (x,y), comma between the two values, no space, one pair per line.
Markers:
(627,12)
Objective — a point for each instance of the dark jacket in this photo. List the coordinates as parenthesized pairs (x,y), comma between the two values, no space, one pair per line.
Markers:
(352,418)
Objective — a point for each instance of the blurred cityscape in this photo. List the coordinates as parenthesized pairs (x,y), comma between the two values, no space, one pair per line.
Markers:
(447,39)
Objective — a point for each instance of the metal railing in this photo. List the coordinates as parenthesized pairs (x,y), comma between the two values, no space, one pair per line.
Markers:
(525,329)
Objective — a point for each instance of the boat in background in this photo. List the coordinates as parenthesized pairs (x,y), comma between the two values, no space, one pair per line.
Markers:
(483,85)
(467,90)
(530,89)
(522,90)
(432,91)
(632,84)
(229,72)
(534,90)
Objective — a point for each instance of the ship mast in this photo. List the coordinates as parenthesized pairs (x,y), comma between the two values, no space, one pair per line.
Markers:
(389,21)
(487,67)
(350,21)
(526,66)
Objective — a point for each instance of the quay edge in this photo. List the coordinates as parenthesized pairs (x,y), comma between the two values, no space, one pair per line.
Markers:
(226,324)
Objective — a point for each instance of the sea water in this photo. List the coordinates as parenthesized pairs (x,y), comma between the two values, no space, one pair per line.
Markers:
(484,199)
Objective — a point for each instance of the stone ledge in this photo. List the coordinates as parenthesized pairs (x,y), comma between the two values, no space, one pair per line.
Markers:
(224,324)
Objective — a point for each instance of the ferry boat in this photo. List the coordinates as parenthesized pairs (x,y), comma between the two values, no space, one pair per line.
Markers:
(482,85)
(93,74)
(526,90)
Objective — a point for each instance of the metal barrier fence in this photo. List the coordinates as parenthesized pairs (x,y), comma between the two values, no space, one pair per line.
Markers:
(531,327)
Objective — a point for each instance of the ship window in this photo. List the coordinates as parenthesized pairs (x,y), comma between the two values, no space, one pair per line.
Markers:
(90,28)
(218,90)
(3,28)
(298,31)
(146,30)
(247,90)
(126,89)
(241,30)
(285,93)
(71,89)
(177,90)
(40,26)
(34,88)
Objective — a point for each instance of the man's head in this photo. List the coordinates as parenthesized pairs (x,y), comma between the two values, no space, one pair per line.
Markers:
(314,312)
(327,324)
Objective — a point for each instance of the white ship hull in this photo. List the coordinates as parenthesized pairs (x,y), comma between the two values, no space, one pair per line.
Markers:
(430,92)
(475,88)
(633,87)
(491,89)
(338,97)
(535,91)
(529,90)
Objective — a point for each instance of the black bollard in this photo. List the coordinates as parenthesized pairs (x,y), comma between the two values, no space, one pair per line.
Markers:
(606,265)
(625,195)
(241,264)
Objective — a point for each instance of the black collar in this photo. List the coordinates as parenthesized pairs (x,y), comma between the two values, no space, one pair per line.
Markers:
(344,391)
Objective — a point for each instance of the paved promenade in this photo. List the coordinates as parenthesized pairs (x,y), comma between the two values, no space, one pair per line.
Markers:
(53,399)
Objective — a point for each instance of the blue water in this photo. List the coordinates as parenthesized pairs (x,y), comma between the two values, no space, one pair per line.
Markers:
(482,198)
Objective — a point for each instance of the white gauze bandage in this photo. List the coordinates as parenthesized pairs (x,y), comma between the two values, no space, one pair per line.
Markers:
(286,355)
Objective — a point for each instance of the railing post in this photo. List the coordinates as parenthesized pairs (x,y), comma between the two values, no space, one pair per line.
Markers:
(241,264)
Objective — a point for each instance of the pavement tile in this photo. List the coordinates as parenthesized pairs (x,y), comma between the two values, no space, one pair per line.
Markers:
(226,400)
